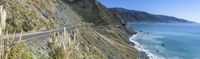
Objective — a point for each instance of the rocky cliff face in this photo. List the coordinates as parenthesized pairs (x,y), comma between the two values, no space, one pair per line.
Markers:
(139,16)
(100,34)
(94,12)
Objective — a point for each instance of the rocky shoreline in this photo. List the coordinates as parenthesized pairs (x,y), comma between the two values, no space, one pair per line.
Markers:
(141,54)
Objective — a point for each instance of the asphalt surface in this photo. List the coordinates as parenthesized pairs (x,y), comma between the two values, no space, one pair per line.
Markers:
(43,34)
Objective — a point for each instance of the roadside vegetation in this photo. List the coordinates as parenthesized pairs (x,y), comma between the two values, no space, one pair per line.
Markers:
(14,48)
(83,42)
(22,18)
(57,48)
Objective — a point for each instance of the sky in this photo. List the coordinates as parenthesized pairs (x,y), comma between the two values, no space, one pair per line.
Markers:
(184,9)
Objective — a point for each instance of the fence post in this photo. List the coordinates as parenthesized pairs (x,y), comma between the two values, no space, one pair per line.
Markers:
(2,19)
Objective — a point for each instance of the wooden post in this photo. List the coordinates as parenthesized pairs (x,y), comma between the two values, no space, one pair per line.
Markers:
(2,19)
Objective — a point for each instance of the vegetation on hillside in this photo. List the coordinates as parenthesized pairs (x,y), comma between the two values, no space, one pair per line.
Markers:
(14,48)
(99,41)
(25,17)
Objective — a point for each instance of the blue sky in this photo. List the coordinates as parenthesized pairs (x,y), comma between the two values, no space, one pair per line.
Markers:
(185,9)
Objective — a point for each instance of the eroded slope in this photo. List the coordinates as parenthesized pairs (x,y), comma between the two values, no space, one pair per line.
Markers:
(99,33)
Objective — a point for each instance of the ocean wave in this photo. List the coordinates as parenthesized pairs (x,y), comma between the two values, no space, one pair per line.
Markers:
(140,48)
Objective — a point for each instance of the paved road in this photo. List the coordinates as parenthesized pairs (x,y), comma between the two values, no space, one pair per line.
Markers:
(35,35)
(38,41)
(44,34)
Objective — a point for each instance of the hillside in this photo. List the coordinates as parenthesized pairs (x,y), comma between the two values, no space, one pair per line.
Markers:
(97,32)
(140,16)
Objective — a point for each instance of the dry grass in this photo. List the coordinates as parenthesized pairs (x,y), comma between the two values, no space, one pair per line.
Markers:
(57,50)
(26,15)
(79,43)
(86,43)
(2,19)
(11,47)
(14,48)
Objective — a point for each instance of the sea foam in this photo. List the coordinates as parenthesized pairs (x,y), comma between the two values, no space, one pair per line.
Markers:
(140,48)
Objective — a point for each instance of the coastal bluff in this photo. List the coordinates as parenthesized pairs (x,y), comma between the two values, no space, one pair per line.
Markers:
(88,30)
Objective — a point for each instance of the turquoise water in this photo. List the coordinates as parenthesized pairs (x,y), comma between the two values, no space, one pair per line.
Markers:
(169,41)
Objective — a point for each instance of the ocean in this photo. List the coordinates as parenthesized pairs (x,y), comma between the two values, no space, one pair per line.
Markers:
(168,40)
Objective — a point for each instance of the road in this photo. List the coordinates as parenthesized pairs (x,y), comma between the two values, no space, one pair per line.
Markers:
(43,34)
(34,35)
(38,41)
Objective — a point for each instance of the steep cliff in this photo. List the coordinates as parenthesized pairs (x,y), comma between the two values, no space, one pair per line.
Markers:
(139,16)
(98,33)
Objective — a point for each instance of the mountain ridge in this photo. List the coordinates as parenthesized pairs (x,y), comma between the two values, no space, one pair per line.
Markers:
(141,16)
